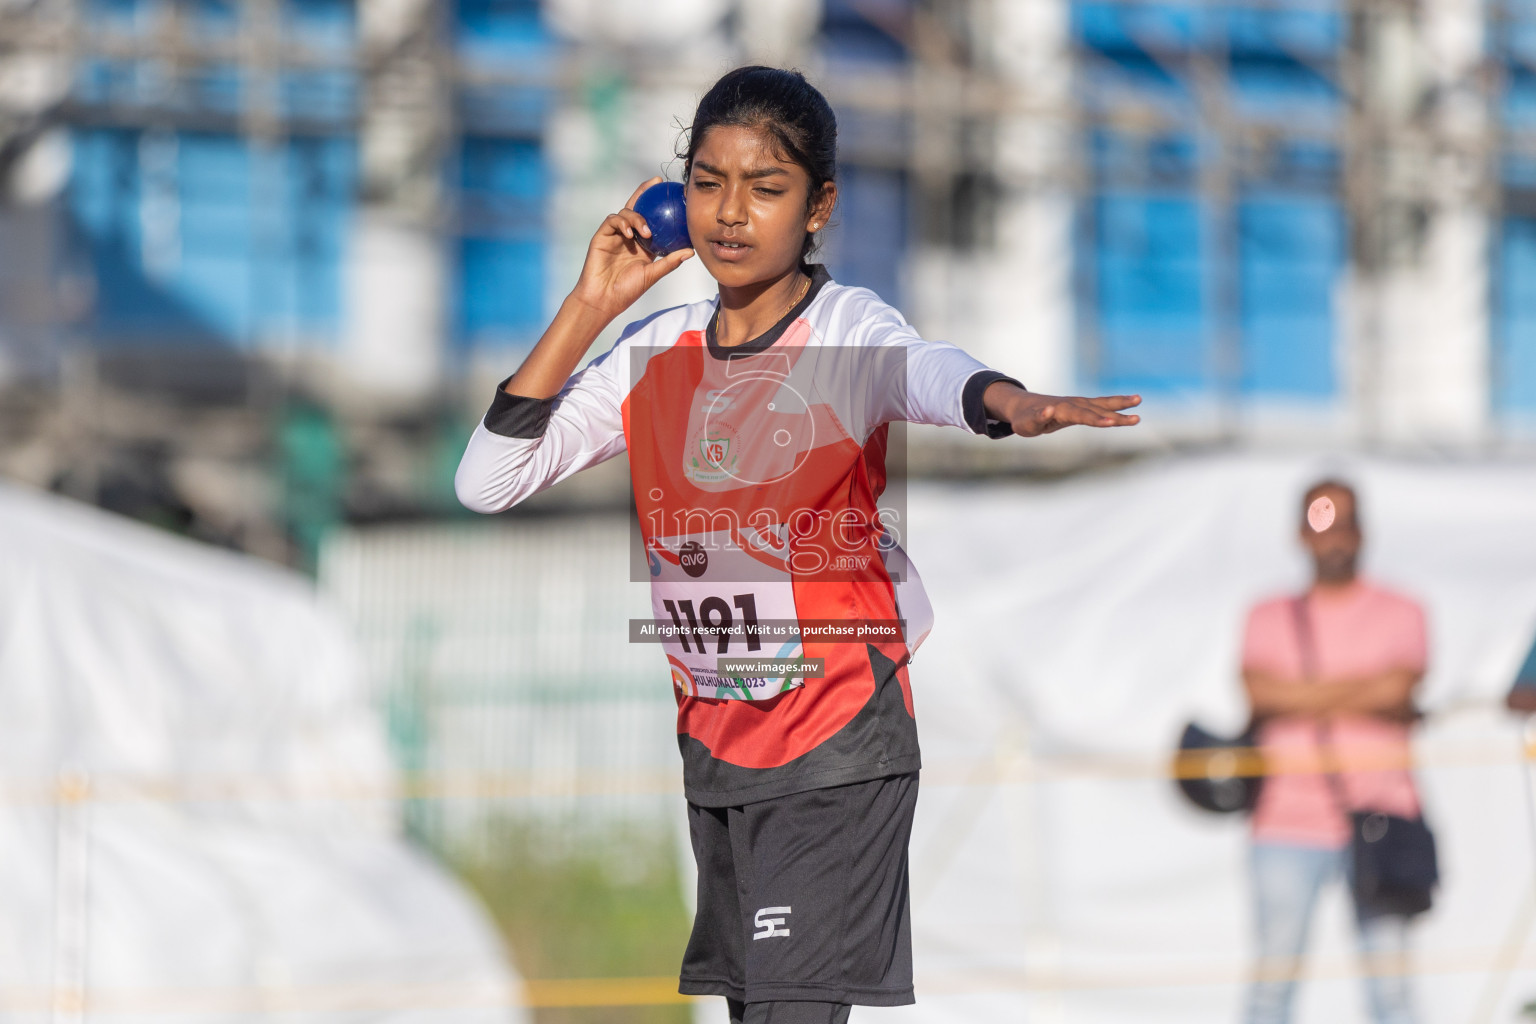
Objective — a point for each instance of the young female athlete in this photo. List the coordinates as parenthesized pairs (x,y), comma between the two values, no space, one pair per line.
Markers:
(756,424)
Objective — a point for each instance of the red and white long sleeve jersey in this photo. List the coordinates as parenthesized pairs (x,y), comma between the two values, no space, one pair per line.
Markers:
(758,475)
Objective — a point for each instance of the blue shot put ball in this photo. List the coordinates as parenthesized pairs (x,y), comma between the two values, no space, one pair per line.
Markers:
(662,207)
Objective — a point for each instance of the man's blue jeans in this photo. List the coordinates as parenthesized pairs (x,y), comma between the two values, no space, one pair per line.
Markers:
(1286,882)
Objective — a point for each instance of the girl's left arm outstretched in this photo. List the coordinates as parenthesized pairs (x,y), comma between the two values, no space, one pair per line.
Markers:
(1032,415)
(912,378)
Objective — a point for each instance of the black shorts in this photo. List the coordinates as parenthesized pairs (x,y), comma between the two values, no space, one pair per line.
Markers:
(804,897)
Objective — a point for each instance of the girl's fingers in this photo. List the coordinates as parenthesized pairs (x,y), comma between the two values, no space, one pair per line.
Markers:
(1117,418)
(648,183)
(670,262)
(664,266)
(1085,412)
(636,222)
(627,223)
(1101,418)
(1105,412)
(1074,413)
(1106,408)
(615,224)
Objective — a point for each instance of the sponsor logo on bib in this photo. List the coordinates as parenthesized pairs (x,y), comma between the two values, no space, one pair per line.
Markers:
(693,558)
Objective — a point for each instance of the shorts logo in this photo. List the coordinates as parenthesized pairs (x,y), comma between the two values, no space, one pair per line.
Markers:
(769,926)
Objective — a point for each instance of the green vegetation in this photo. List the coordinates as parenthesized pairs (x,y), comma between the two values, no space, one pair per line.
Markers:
(604,905)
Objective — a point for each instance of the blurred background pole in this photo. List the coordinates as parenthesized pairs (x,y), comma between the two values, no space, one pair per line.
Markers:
(781,33)
(396,332)
(1220,150)
(1415,164)
(1025,287)
(35,293)
(71,894)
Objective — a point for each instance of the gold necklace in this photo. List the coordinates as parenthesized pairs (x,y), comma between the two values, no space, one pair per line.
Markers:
(805,286)
(799,294)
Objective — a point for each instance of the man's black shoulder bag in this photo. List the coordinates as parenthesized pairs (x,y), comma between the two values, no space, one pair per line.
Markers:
(1393,868)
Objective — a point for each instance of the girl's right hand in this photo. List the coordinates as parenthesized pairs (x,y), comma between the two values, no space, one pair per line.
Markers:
(618,270)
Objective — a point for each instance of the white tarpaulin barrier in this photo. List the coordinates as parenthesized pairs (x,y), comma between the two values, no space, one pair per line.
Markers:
(1056,874)
(196,803)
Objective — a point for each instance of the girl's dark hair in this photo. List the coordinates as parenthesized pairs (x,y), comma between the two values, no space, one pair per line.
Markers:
(787,107)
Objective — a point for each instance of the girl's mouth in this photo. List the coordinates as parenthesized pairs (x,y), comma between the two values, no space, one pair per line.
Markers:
(729,251)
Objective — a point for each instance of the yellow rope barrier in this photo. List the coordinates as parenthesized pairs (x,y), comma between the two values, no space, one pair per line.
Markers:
(567,993)
(78,787)
(571,992)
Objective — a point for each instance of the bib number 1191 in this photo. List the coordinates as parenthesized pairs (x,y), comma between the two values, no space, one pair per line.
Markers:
(717,619)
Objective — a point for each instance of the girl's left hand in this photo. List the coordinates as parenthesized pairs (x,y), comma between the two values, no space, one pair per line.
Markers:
(1031,414)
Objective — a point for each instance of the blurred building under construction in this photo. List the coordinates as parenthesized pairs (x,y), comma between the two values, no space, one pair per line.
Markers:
(261,260)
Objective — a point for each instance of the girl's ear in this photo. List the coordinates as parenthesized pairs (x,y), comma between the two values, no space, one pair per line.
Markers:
(821,208)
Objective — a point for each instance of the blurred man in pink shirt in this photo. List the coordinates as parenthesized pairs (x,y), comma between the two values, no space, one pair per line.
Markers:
(1330,674)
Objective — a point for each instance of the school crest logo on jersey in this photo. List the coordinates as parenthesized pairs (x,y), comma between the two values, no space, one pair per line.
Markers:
(715,450)
(714,456)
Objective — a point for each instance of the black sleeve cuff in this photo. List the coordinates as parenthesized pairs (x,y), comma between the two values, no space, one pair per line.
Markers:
(976,410)
(518,415)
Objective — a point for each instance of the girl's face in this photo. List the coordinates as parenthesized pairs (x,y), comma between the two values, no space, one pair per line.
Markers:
(747,207)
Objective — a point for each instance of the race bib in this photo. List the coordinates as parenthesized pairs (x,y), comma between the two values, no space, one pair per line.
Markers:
(724,604)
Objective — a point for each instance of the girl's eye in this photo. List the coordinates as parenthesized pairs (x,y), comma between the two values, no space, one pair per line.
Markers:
(770,191)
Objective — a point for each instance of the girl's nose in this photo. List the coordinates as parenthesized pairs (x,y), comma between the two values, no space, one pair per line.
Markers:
(732,210)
